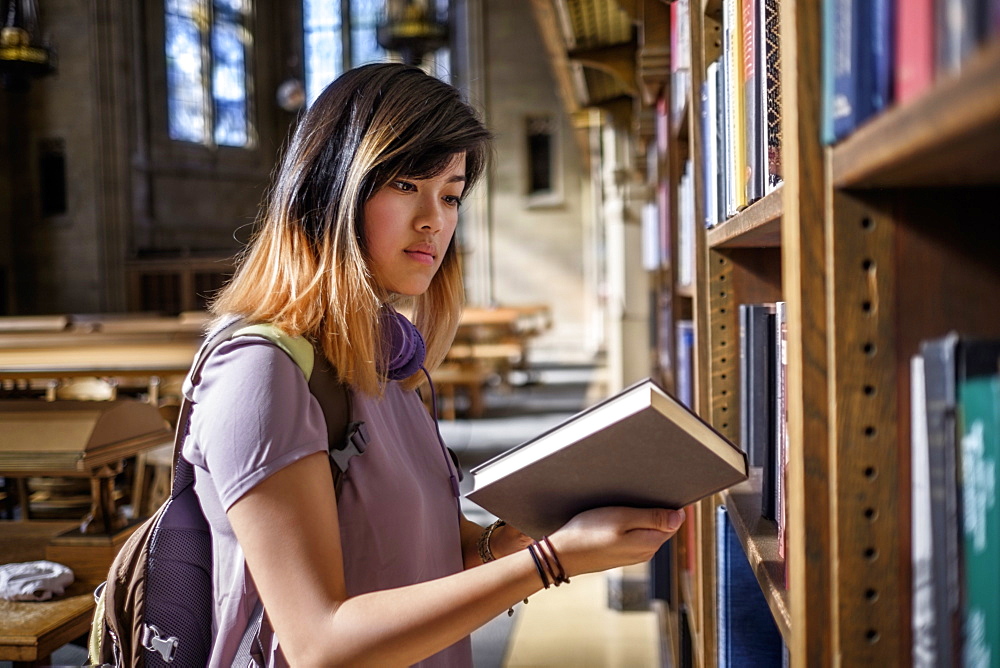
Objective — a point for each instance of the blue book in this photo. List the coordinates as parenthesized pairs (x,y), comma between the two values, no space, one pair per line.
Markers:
(746,633)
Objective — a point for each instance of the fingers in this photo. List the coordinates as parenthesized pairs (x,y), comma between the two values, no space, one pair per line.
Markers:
(658,519)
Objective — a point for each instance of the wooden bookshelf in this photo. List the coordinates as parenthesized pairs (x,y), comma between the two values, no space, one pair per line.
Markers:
(874,244)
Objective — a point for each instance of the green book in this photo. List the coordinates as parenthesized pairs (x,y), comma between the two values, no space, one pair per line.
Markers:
(979,423)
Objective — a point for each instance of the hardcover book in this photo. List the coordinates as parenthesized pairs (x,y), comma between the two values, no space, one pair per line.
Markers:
(978,387)
(639,448)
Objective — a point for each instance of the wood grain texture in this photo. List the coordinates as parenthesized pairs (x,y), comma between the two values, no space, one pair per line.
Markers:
(865,450)
(809,562)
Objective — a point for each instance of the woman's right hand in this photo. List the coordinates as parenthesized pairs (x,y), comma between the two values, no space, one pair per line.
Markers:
(603,538)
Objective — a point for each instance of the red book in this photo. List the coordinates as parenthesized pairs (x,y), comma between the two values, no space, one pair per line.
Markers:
(914,43)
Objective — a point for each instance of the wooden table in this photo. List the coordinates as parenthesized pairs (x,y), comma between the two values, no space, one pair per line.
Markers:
(111,358)
(31,630)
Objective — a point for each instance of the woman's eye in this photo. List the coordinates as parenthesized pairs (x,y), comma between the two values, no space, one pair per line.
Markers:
(405,186)
(453,200)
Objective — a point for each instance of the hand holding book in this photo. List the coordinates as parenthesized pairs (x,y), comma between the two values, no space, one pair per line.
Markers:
(603,538)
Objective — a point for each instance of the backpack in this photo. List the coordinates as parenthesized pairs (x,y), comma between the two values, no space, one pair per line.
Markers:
(155,608)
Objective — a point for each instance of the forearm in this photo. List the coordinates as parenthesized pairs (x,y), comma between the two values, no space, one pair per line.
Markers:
(401,626)
(470,533)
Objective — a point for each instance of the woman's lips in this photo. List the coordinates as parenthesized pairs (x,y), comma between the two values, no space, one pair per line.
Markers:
(421,255)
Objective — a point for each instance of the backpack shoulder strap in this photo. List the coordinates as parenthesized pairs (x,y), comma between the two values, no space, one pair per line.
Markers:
(347,438)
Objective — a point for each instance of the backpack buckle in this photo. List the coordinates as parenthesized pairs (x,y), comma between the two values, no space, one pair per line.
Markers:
(355,443)
(154,642)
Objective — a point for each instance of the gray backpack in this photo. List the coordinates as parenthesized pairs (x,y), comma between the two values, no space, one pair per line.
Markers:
(155,609)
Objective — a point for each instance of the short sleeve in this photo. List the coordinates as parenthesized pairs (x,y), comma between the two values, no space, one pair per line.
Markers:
(252,415)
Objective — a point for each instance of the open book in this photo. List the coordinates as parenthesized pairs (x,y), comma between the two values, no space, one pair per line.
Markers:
(639,448)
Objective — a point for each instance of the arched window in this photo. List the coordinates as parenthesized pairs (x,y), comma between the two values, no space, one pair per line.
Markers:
(208,46)
(340,34)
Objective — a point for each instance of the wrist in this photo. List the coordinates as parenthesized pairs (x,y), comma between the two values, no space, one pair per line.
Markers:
(485,548)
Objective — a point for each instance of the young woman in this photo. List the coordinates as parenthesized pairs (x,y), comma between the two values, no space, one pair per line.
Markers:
(363,213)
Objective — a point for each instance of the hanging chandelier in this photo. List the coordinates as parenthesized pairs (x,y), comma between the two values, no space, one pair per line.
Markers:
(23,54)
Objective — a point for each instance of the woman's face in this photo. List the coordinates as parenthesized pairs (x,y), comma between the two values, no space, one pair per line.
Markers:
(408,226)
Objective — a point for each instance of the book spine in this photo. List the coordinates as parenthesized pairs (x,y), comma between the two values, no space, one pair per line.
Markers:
(923,617)
(781,420)
(939,387)
(751,88)
(881,53)
(711,142)
(838,61)
(961,27)
(772,89)
(914,48)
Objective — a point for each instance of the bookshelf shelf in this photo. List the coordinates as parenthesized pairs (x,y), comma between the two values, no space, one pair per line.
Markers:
(948,136)
(759,537)
(757,226)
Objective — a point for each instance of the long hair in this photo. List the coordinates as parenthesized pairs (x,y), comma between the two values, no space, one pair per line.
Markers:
(306,268)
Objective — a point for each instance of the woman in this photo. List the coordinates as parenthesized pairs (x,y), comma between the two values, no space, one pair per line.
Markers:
(363,213)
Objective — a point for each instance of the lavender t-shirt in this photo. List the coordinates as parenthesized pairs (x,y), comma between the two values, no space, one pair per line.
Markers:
(253,415)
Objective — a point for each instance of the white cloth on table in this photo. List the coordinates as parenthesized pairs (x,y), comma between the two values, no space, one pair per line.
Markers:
(34,580)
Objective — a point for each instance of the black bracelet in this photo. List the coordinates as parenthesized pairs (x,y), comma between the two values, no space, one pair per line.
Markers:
(559,577)
(538,565)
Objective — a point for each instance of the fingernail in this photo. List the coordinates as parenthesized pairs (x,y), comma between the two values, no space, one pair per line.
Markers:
(675,519)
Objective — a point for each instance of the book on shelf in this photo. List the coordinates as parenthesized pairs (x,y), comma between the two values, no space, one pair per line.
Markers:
(776,467)
(939,361)
(745,630)
(924,617)
(914,48)
(962,25)
(978,389)
(757,393)
(770,47)
(756,380)
(952,429)
(857,64)
(685,362)
(641,448)
(710,139)
(751,76)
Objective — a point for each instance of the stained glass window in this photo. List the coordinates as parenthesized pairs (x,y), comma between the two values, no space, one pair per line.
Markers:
(329,51)
(207,43)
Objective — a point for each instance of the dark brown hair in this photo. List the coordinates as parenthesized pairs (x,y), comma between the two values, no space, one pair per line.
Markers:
(306,269)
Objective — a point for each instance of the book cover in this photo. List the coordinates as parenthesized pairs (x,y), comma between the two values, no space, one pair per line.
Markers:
(978,389)
(914,48)
(640,448)
(746,633)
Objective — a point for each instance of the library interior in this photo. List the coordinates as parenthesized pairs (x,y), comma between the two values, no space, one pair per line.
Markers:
(780,211)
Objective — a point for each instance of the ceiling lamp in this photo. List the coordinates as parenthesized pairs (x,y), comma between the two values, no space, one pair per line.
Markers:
(23,55)
(411,29)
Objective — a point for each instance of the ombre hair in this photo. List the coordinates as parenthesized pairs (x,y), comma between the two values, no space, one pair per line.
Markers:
(306,268)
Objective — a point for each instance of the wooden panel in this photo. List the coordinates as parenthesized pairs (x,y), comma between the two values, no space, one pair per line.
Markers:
(864,436)
(757,226)
(724,345)
(804,256)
